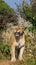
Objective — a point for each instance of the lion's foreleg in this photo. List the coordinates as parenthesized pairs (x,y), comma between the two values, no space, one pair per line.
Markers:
(21,53)
(13,53)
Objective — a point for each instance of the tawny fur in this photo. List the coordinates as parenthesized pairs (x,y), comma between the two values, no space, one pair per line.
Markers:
(14,43)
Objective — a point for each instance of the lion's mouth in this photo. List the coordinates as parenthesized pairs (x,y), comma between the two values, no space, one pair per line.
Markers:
(17,34)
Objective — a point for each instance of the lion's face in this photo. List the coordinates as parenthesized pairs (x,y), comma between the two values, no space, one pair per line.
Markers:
(17,30)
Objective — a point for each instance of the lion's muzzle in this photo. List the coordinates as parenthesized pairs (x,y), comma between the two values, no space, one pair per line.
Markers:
(17,34)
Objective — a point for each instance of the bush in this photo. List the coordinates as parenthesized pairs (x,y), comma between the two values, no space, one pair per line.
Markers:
(5,49)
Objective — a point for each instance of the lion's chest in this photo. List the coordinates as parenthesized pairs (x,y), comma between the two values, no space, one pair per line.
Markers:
(17,38)
(19,42)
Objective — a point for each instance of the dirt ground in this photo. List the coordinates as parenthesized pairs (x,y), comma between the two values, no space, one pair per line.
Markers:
(5,62)
(8,62)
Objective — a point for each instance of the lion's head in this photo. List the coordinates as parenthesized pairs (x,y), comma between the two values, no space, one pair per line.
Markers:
(18,30)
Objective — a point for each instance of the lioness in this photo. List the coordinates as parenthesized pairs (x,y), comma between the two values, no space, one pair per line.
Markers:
(17,41)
